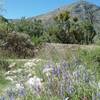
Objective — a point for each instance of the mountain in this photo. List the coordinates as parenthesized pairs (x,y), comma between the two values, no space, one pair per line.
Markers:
(83,10)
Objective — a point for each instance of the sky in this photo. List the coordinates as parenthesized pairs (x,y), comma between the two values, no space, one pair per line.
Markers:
(15,9)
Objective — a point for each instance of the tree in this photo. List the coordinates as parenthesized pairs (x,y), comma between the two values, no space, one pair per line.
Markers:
(32,28)
(89,32)
(20,44)
(63,22)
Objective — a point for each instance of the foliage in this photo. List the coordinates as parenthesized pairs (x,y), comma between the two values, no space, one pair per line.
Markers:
(71,30)
(19,43)
(32,28)
(65,29)
(4,65)
(92,59)
(3,82)
(62,80)
(97,39)
(50,34)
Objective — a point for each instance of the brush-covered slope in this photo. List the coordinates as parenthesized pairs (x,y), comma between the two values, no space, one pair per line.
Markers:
(83,10)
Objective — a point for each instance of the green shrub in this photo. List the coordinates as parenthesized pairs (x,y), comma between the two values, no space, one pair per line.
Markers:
(97,39)
(20,44)
(4,65)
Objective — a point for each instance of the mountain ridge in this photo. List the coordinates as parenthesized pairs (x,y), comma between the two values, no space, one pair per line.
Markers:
(78,9)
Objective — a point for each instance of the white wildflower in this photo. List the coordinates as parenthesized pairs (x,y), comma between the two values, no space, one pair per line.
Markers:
(19,86)
(8,72)
(9,78)
(29,64)
(12,65)
(67,98)
(99,85)
(35,82)
(47,71)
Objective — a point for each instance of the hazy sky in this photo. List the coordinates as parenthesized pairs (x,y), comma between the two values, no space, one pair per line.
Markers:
(28,8)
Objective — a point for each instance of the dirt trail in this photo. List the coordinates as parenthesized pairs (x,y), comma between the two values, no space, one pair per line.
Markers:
(60,50)
(52,49)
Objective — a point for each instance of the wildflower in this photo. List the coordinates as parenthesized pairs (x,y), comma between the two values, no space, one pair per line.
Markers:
(22,92)
(62,89)
(19,86)
(76,74)
(2,98)
(9,78)
(54,71)
(47,70)
(67,98)
(12,65)
(65,64)
(58,72)
(93,96)
(29,64)
(70,90)
(11,94)
(99,85)
(35,83)
(98,95)
(86,77)
(65,75)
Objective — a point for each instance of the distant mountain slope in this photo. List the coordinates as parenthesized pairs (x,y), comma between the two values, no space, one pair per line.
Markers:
(79,9)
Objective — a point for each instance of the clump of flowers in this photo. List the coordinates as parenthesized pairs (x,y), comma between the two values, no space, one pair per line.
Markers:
(70,80)
(64,80)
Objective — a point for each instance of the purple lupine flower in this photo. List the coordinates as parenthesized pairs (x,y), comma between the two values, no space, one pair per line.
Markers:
(65,75)
(70,90)
(93,96)
(11,94)
(76,61)
(77,75)
(47,71)
(85,77)
(35,84)
(98,95)
(58,72)
(2,98)
(54,71)
(20,88)
(65,64)
(62,90)
(22,92)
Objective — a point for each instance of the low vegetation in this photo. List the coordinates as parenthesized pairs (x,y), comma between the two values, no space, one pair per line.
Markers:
(64,64)
(64,29)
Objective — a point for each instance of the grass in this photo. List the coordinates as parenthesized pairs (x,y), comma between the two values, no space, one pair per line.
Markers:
(5,54)
(90,57)
(3,82)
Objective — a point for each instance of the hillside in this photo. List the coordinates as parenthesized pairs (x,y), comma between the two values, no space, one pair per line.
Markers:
(54,56)
(82,10)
